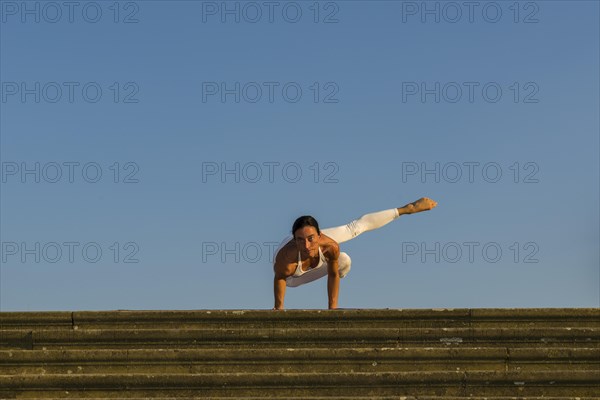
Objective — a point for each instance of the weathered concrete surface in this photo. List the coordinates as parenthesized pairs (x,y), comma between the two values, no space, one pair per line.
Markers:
(422,354)
(310,335)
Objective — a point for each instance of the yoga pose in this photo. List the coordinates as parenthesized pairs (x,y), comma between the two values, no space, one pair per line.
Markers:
(310,253)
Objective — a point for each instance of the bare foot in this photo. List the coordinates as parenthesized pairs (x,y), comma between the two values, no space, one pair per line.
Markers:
(423,204)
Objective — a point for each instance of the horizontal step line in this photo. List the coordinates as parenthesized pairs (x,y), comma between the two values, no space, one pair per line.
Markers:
(270,354)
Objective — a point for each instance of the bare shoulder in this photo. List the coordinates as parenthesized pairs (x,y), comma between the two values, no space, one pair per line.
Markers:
(330,248)
(285,260)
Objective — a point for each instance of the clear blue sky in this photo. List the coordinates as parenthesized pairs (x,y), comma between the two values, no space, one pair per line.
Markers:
(333,109)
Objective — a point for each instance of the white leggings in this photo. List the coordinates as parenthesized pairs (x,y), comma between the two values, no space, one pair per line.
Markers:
(341,234)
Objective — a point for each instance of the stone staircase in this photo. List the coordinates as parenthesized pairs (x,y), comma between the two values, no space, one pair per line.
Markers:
(302,354)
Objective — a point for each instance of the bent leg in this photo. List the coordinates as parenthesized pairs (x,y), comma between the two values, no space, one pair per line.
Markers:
(308,276)
(367,222)
(344,263)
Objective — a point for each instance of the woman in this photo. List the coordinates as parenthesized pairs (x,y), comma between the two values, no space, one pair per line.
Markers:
(310,253)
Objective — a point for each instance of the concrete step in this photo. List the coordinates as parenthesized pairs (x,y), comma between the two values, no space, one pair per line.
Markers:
(432,383)
(357,318)
(133,338)
(422,354)
(273,360)
(346,398)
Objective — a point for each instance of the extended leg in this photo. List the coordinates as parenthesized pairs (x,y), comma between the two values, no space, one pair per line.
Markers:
(369,222)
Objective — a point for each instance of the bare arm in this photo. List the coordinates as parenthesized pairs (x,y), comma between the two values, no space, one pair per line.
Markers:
(279,291)
(282,271)
(333,277)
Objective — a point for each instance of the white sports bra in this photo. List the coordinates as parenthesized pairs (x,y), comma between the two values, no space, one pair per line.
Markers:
(322,262)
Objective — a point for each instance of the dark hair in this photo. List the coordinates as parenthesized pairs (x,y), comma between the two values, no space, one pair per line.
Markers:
(305,220)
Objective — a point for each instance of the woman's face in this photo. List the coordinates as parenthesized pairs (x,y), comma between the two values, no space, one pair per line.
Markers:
(307,241)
